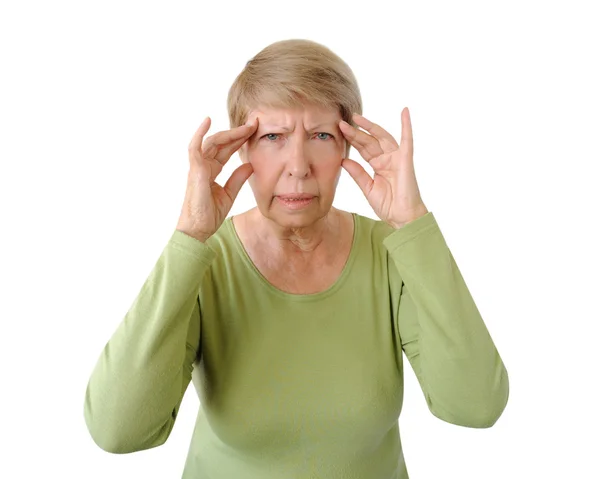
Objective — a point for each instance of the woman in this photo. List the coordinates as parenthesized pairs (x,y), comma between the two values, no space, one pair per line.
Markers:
(290,319)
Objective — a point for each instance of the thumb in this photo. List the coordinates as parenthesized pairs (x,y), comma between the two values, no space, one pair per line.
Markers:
(237,179)
(358,173)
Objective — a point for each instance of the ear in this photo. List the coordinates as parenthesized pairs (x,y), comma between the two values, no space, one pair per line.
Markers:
(243,153)
(337,178)
(344,149)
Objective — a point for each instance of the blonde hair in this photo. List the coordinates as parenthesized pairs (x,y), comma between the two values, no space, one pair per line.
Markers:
(293,73)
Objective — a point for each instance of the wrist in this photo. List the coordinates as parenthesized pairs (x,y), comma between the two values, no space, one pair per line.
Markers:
(197,236)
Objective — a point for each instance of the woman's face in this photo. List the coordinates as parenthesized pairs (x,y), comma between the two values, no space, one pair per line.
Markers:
(294,151)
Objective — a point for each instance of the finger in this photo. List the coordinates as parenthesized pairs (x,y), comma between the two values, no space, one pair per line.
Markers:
(196,142)
(367,145)
(225,153)
(406,142)
(237,179)
(217,142)
(387,140)
(358,173)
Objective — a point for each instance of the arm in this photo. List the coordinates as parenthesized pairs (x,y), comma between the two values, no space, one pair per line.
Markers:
(136,388)
(442,333)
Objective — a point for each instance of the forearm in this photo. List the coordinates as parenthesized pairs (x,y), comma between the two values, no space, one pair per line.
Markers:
(141,375)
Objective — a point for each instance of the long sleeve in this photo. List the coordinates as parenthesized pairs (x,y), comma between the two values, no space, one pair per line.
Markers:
(459,369)
(135,390)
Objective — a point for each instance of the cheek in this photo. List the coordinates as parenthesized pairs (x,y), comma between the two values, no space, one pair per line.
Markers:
(265,175)
(262,167)
(328,175)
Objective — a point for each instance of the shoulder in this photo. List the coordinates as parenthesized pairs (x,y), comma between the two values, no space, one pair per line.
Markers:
(372,234)
(221,242)
(226,261)
(372,230)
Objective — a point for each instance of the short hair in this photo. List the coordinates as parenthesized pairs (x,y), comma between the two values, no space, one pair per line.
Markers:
(290,74)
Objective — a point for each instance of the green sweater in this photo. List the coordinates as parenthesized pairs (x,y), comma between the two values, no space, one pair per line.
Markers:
(296,386)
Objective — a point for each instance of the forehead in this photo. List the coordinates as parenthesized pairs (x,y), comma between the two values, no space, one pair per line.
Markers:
(309,115)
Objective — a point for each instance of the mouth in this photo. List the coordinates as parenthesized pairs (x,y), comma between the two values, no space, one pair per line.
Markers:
(296,202)
(296,196)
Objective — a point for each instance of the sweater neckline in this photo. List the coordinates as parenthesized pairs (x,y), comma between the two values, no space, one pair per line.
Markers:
(293,296)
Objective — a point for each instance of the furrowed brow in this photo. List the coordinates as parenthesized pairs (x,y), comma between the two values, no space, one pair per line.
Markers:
(328,124)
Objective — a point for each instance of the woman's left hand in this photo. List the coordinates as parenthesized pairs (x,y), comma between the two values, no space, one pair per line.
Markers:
(393,193)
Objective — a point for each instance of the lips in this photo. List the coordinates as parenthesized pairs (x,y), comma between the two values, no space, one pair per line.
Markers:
(296,196)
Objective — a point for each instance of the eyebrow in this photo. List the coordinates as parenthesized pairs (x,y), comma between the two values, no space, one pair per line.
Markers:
(288,130)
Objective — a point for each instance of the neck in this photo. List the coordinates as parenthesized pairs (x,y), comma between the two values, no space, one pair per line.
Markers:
(307,239)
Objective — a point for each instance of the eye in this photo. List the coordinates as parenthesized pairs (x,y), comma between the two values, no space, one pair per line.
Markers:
(329,135)
(269,134)
(323,133)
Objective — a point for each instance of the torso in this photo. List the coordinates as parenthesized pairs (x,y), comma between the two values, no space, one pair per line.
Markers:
(298,276)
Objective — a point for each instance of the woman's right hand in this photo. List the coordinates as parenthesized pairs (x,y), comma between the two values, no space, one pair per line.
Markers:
(206,203)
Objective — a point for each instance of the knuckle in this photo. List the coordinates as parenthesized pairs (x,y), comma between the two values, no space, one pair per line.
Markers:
(194,154)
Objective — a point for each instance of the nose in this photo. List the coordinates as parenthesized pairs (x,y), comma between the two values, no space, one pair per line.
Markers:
(298,164)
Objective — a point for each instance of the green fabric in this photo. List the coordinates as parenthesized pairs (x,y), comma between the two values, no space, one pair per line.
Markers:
(296,385)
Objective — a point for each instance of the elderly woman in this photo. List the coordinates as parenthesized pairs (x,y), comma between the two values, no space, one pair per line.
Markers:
(290,319)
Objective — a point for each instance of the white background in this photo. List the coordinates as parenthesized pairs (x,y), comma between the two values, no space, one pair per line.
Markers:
(98,103)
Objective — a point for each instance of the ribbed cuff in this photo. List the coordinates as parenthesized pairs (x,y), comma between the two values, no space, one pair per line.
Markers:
(425,224)
(195,248)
